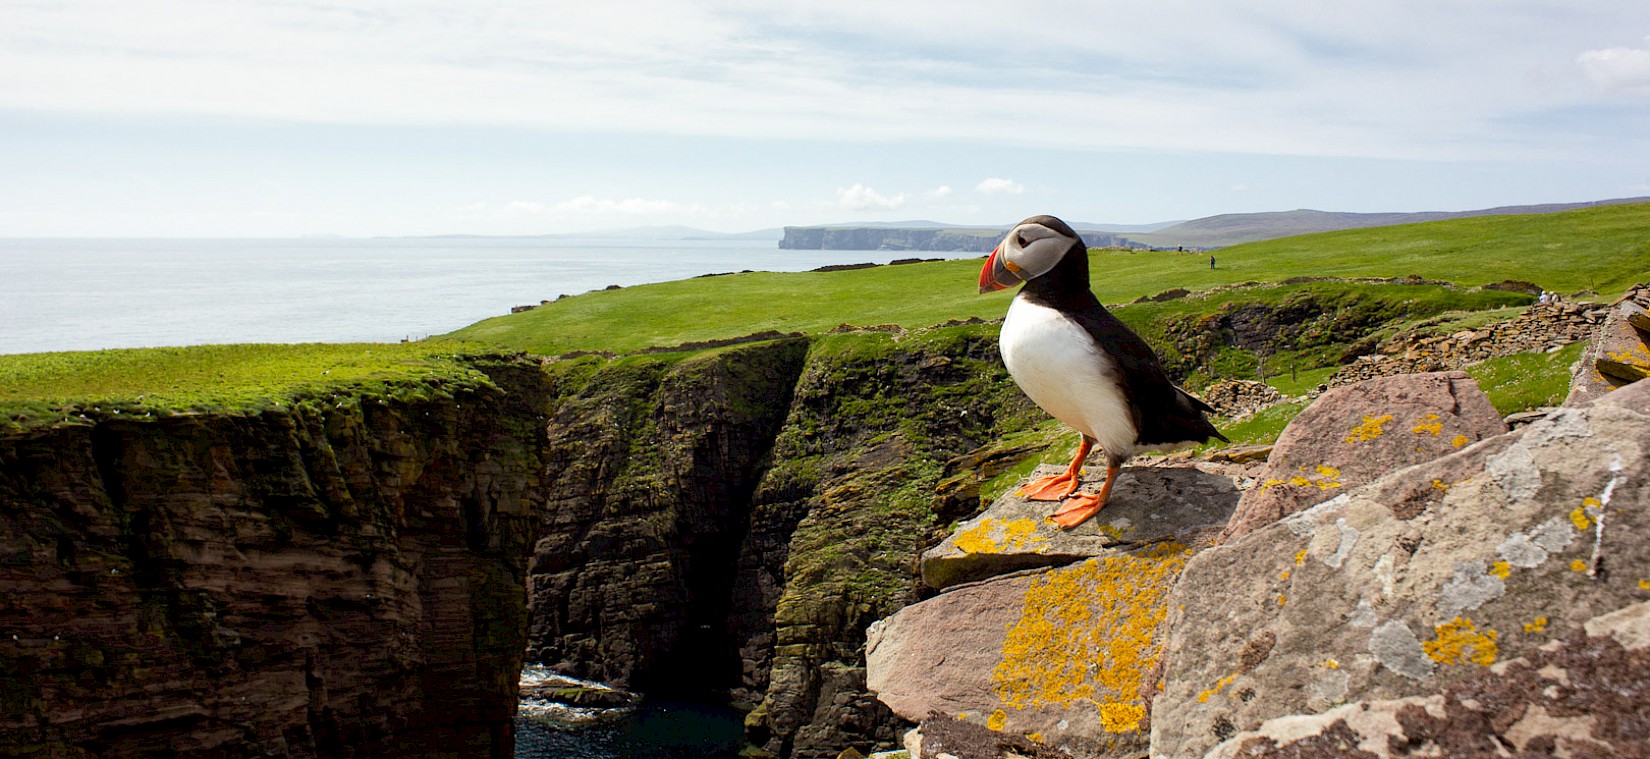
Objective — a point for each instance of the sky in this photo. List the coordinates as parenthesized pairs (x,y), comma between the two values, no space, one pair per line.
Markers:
(231,118)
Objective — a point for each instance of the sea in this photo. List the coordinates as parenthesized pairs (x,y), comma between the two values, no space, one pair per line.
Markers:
(88,294)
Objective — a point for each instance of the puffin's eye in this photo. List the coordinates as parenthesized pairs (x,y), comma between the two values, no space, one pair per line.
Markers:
(1020,240)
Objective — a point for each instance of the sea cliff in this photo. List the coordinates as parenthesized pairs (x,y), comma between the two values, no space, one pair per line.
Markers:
(337,575)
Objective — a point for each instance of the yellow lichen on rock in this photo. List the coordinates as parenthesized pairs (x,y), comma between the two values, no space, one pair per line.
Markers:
(1085,634)
(1459,640)
(1539,624)
(1429,425)
(993,536)
(997,721)
(1460,440)
(1118,717)
(1220,685)
(1321,477)
(1501,569)
(1371,428)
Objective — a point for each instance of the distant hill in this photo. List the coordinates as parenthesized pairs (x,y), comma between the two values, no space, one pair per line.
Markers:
(1232,229)
(931,237)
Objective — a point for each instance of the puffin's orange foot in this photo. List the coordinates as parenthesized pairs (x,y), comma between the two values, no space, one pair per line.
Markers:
(1052,488)
(1077,509)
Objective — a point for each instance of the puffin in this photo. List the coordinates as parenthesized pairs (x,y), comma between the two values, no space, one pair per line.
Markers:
(1082,365)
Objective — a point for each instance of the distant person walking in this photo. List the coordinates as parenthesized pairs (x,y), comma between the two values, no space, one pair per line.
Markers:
(1211,262)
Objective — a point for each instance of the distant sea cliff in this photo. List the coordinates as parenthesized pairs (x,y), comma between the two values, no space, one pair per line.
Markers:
(894,238)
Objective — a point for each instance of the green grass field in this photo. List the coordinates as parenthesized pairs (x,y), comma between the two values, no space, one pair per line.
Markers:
(52,387)
(1601,250)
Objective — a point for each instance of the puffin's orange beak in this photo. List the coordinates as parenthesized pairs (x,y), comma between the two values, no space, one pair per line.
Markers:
(989,281)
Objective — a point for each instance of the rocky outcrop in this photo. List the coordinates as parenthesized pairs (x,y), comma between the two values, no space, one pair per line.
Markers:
(1356,433)
(1379,595)
(1437,586)
(1045,635)
(339,576)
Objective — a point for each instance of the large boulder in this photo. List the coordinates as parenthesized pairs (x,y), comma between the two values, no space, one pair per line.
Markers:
(1423,579)
(1148,505)
(1357,433)
(1059,656)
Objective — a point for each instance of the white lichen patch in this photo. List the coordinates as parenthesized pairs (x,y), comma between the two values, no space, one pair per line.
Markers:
(1520,551)
(1514,470)
(1395,646)
(1364,616)
(1348,539)
(1470,586)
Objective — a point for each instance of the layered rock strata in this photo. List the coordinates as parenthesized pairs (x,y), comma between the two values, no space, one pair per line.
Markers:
(343,576)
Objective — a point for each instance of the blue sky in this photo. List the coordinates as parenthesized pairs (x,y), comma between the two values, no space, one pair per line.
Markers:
(232,118)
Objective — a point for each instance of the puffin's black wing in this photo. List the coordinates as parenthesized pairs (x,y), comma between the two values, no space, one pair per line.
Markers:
(1163,413)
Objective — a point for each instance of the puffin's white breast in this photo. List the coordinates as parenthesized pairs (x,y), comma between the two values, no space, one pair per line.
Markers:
(1058,365)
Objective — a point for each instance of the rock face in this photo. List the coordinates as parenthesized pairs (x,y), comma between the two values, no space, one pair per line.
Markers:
(730,522)
(1356,433)
(841,515)
(1583,695)
(339,578)
(652,463)
(1390,592)
(1060,653)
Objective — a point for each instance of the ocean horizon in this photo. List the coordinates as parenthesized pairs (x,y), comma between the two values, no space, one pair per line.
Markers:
(77,294)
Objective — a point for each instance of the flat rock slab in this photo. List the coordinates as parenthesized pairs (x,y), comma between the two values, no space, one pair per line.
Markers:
(1059,657)
(1148,504)
(1385,593)
(1355,433)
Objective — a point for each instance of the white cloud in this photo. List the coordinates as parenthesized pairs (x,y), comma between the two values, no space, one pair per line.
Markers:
(994,185)
(862,198)
(1624,69)
(939,192)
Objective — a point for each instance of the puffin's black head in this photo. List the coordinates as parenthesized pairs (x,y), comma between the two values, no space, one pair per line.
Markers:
(1030,250)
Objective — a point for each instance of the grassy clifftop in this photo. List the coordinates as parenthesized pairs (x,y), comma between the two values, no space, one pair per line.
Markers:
(43,388)
(1603,250)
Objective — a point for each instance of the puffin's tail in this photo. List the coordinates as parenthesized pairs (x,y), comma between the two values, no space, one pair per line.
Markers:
(1182,422)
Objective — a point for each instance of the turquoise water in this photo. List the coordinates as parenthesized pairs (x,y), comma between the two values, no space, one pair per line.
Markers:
(87,294)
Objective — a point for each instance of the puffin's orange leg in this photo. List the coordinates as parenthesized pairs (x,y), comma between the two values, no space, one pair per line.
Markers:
(1078,508)
(1058,486)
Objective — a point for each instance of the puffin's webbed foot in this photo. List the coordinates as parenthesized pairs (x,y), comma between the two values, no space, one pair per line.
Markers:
(1058,487)
(1081,506)
(1052,488)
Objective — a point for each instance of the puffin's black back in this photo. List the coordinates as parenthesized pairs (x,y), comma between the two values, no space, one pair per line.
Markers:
(1163,413)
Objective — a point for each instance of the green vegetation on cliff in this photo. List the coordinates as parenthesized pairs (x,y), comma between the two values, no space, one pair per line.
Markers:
(43,388)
